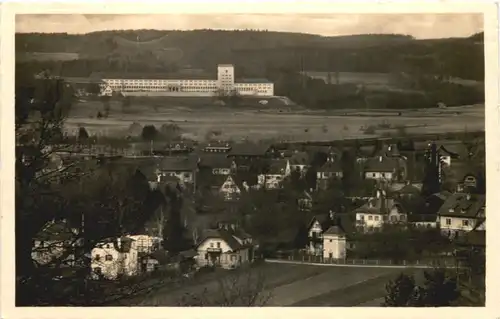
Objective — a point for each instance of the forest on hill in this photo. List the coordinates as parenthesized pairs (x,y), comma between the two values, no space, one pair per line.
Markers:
(253,52)
(422,68)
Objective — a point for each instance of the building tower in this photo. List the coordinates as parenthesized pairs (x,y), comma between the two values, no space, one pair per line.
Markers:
(225,77)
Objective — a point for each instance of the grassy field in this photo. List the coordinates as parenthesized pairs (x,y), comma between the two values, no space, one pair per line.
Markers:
(301,285)
(282,123)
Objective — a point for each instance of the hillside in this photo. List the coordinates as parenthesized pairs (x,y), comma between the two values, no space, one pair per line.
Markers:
(254,52)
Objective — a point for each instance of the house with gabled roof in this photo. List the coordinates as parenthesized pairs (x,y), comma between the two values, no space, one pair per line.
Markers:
(115,257)
(461,213)
(299,161)
(218,164)
(276,173)
(334,243)
(182,167)
(327,236)
(384,168)
(331,169)
(227,246)
(250,151)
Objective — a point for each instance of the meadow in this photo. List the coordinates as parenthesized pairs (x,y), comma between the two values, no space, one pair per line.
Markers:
(282,122)
(299,285)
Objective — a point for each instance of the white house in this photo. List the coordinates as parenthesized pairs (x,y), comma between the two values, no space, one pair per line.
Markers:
(317,226)
(462,212)
(274,177)
(230,190)
(112,258)
(334,243)
(383,168)
(226,247)
(218,164)
(181,86)
(183,168)
(379,211)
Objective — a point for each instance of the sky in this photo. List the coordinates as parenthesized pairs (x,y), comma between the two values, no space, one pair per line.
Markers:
(418,25)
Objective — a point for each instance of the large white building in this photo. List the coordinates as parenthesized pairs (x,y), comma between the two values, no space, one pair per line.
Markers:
(225,83)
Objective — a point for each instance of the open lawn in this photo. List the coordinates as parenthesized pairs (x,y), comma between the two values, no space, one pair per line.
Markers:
(46,56)
(283,123)
(300,285)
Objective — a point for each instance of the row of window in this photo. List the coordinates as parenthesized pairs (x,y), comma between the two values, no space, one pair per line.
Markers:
(107,257)
(465,222)
(384,218)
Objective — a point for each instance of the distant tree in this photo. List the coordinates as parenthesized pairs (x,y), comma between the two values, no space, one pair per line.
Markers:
(174,240)
(431,182)
(311,178)
(149,133)
(106,104)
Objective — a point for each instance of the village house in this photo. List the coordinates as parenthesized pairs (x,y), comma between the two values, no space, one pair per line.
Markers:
(227,247)
(176,148)
(146,244)
(330,170)
(326,235)
(218,164)
(378,211)
(334,244)
(461,213)
(112,258)
(384,168)
(305,201)
(275,175)
(299,162)
(183,168)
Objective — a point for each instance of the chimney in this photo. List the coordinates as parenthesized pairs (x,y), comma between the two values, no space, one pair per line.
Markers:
(380,158)
(378,193)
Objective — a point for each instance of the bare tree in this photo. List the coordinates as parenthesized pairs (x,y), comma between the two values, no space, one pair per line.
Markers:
(244,288)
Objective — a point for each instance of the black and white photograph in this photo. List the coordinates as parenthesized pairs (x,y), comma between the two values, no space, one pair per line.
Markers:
(249,159)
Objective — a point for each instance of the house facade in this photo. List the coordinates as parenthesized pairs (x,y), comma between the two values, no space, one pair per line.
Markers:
(462,213)
(330,170)
(334,243)
(299,161)
(183,168)
(225,247)
(114,258)
(384,168)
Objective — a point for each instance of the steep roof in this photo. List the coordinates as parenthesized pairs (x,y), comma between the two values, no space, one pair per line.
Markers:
(373,206)
(299,158)
(334,230)
(277,167)
(249,149)
(152,76)
(56,231)
(223,234)
(460,205)
(215,161)
(330,166)
(381,164)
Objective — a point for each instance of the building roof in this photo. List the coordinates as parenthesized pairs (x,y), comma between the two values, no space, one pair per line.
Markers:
(330,166)
(381,164)
(249,149)
(299,158)
(410,189)
(152,76)
(215,161)
(253,80)
(334,230)
(324,220)
(223,234)
(463,205)
(183,163)
(277,167)
(376,206)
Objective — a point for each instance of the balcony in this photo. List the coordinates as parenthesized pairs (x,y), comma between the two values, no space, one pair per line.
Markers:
(214,250)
